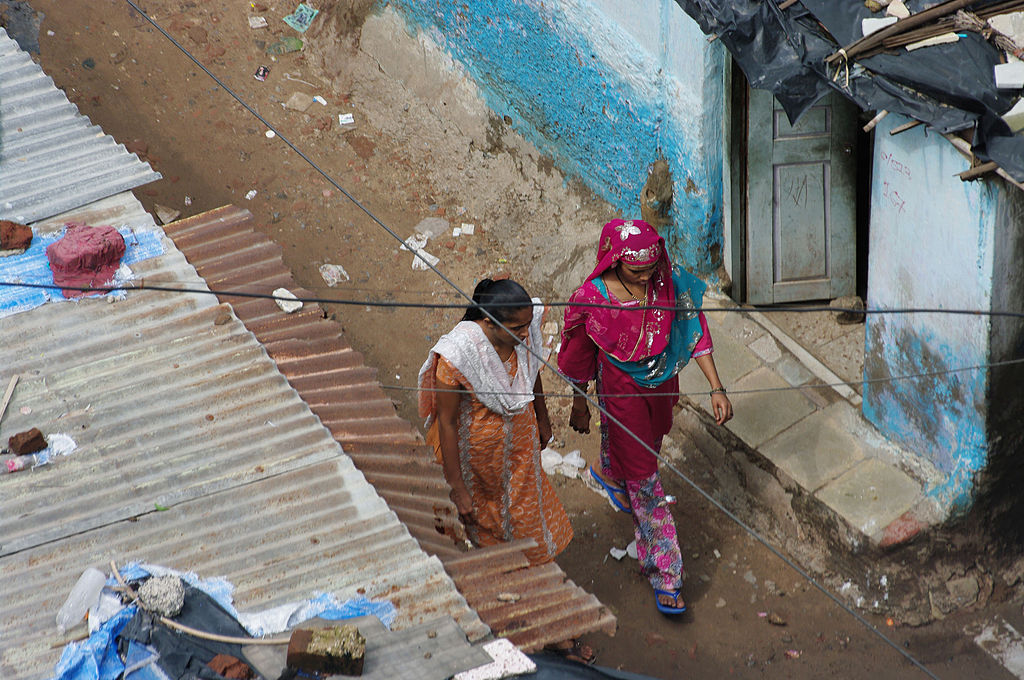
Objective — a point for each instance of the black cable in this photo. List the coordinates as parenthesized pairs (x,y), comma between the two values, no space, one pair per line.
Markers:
(142,285)
(760,390)
(491,317)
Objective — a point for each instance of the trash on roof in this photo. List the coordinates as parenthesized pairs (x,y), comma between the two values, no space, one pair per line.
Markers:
(148,615)
(802,51)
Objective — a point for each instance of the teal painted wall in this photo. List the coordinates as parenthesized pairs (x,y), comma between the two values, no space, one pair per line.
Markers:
(602,87)
(931,246)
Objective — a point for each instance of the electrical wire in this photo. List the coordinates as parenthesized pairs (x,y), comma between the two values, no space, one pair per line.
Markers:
(868,625)
(760,390)
(394,304)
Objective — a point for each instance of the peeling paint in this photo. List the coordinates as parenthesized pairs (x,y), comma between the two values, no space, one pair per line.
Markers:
(602,101)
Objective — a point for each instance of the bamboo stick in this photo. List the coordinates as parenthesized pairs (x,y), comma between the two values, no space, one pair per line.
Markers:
(977,171)
(964,147)
(7,395)
(876,120)
(906,126)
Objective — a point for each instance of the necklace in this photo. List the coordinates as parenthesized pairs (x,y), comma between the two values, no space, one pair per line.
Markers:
(623,284)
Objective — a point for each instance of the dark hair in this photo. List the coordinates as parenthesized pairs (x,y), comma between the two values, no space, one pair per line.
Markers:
(500,298)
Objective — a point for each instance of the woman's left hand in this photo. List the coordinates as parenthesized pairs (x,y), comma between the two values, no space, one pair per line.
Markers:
(721,408)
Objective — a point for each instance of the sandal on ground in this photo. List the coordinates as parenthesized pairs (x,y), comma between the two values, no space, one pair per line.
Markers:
(611,490)
(574,651)
(666,609)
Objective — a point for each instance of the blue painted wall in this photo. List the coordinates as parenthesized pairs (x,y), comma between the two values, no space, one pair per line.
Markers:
(602,87)
(931,247)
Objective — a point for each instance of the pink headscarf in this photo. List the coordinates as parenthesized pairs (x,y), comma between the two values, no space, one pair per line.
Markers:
(627,334)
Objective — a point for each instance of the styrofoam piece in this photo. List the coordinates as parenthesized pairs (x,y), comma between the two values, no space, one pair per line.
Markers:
(508,662)
(872,24)
(1009,76)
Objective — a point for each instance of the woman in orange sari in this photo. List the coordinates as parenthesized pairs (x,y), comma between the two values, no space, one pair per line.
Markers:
(487,422)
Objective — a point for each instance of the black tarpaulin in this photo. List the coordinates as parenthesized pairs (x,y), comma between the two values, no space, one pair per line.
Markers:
(950,87)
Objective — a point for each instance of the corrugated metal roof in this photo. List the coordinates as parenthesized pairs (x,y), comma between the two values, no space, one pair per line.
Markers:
(334,381)
(52,158)
(174,404)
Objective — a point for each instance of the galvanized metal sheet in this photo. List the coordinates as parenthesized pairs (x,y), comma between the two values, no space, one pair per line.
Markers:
(345,394)
(52,159)
(192,452)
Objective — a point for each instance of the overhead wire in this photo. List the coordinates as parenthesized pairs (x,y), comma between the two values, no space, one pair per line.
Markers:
(141,284)
(750,531)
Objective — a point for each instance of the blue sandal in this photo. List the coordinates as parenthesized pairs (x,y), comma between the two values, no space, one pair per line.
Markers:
(611,491)
(664,608)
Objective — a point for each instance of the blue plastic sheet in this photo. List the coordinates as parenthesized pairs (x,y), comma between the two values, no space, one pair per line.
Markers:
(33,267)
(95,658)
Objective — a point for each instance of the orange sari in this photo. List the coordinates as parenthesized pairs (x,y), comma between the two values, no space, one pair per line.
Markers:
(500,461)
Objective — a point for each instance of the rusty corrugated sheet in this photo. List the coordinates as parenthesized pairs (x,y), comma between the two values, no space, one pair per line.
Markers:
(193,452)
(226,251)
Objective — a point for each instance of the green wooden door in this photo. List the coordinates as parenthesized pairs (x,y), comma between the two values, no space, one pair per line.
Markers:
(801,210)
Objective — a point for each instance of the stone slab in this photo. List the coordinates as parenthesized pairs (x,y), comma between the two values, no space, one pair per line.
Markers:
(819,448)
(732,359)
(762,415)
(871,495)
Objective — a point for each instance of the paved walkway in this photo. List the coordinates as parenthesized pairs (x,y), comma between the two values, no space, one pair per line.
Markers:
(815,434)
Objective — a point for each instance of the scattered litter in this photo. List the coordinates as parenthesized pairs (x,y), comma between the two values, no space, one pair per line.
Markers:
(1010,76)
(257,22)
(669,499)
(509,597)
(289,76)
(165,214)
(320,100)
(936,40)
(270,134)
(871,24)
(897,9)
(289,305)
(346,119)
(250,194)
(333,274)
(568,465)
(188,200)
(163,595)
(415,242)
(762,615)
(299,101)
(1015,116)
(261,73)
(419,265)
(83,596)
(508,662)
(793,653)
(432,226)
(50,33)
(285,45)
(468,228)
(56,445)
(302,17)
(718,555)
(25,410)
(776,620)
(720,603)
(456,232)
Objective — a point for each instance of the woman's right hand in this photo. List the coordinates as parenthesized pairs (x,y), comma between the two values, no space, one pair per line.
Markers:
(464,504)
(579,417)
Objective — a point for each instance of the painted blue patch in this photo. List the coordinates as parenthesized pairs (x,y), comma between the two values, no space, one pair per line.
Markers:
(938,417)
(533,68)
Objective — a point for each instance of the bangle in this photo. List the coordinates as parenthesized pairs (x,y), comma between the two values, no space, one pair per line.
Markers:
(717,390)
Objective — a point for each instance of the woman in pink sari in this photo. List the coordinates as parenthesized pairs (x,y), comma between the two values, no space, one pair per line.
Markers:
(637,353)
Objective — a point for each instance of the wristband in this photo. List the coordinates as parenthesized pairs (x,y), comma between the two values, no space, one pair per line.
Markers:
(717,390)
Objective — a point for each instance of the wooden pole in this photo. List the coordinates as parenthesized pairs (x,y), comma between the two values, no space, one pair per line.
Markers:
(977,171)
(906,126)
(876,120)
(7,395)
(901,26)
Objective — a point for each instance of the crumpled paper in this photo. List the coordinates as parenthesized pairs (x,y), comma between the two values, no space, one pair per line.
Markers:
(568,465)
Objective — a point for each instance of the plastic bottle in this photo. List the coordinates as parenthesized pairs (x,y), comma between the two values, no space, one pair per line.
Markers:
(84,595)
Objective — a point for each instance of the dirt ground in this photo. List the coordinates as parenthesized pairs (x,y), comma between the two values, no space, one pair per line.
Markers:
(405,161)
